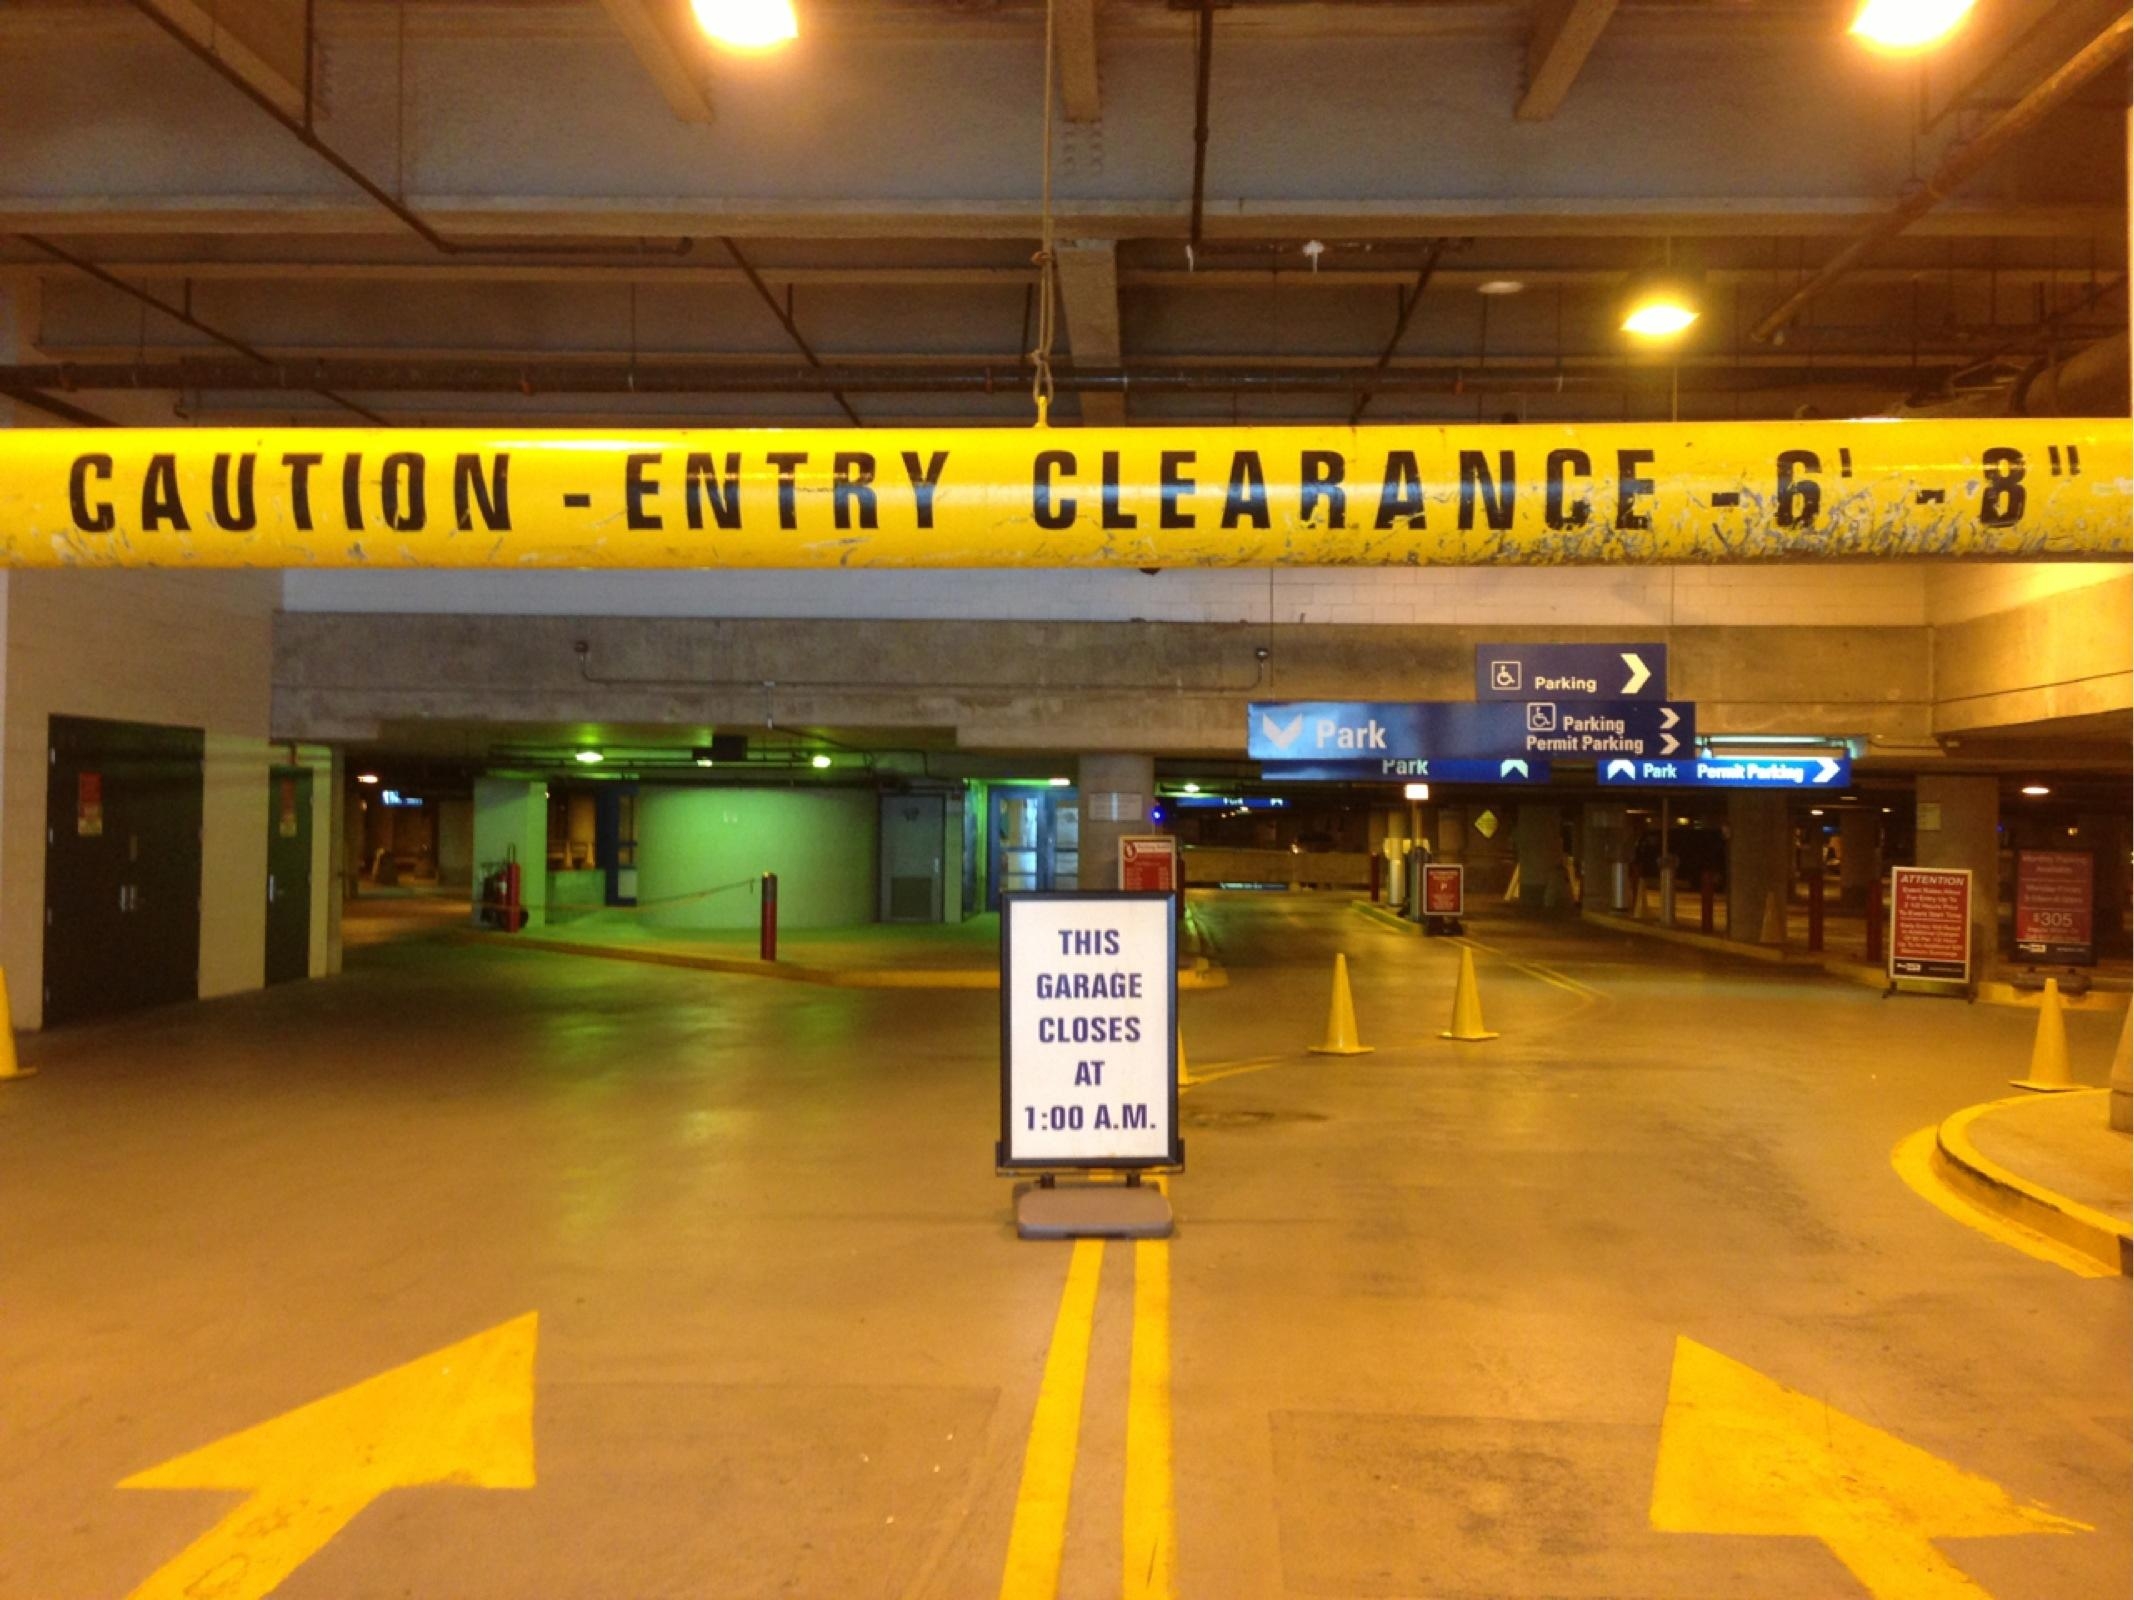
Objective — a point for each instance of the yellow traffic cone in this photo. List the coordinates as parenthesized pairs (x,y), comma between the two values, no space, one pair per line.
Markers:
(1774,928)
(9,1066)
(2048,1052)
(1341,1018)
(1467,1005)
(2121,1113)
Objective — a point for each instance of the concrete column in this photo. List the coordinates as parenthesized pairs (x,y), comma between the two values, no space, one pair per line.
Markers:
(1959,825)
(1606,844)
(509,814)
(1759,861)
(1116,791)
(1539,837)
(1860,854)
(1452,833)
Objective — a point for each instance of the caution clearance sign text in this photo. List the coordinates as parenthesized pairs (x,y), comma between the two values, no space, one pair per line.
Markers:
(1143,497)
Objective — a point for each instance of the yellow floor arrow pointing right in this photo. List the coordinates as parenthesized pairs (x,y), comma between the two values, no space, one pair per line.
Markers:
(463,1415)
(1742,1454)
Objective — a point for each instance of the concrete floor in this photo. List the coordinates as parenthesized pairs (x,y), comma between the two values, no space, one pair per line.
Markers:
(1424,1302)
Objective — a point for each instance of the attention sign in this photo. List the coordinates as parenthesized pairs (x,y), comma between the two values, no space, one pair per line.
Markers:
(1088,1031)
(1930,923)
(2053,910)
(1531,495)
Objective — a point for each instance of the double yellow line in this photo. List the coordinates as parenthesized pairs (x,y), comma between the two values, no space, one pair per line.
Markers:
(1038,1540)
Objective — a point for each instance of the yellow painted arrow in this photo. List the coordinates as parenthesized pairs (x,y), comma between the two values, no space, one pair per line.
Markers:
(1742,1454)
(461,1415)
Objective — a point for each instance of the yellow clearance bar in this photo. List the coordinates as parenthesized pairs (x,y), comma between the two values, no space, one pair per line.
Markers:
(1141,497)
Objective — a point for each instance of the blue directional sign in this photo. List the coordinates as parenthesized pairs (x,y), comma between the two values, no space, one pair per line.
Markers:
(1433,730)
(1733,772)
(1571,672)
(1505,769)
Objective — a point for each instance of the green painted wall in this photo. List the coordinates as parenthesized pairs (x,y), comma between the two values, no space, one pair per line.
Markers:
(820,842)
(510,811)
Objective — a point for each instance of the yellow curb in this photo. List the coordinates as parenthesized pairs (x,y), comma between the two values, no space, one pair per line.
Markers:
(1985,1183)
(1386,917)
(790,972)
(1696,939)
(1916,1161)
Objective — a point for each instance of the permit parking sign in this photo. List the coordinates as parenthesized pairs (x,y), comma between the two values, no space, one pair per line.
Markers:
(1444,890)
(1088,1032)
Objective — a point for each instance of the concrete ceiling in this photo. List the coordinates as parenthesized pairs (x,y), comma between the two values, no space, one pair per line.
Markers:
(586,182)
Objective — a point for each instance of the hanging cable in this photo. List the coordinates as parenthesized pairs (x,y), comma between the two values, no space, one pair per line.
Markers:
(1047,256)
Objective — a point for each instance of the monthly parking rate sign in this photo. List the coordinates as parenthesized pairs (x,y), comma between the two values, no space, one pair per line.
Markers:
(1088,1031)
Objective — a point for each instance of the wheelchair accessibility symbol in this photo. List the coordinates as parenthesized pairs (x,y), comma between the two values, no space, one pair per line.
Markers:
(1507,675)
(1540,716)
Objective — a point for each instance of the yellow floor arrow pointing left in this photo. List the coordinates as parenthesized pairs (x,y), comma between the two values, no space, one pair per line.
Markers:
(461,1415)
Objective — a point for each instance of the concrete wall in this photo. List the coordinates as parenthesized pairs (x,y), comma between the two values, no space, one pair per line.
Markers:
(511,815)
(2054,652)
(820,842)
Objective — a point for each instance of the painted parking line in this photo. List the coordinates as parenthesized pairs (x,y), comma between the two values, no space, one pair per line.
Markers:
(1150,1543)
(1039,1536)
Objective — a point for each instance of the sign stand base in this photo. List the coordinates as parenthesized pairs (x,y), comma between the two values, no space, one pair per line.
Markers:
(1943,988)
(1129,1210)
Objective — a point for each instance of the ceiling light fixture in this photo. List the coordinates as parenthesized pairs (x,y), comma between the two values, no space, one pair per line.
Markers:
(1060,783)
(589,758)
(749,26)
(2036,789)
(366,777)
(818,762)
(1661,305)
(1904,25)
(1499,286)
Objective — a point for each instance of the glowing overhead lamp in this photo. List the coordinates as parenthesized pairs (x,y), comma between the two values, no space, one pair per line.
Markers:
(366,777)
(1908,24)
(1498,287)
(589,758)
(818,762)
(1661,305)
(2036,790)
(747,25)
(1060,783)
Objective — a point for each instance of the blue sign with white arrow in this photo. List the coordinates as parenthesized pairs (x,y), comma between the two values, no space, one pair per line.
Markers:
(1349,730)
(1505,769)
(1733,772)
(1570,672)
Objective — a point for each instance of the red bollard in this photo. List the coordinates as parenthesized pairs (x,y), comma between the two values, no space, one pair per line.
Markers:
(767,945)
(1707,886)
(1815,911)
(1874,923)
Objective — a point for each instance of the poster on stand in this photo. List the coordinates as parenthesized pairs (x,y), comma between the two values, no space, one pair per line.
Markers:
(1930,924)
(2053,907)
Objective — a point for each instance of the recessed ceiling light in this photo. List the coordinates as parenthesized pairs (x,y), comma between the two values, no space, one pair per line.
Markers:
(589,758)
(747,25)
(366,777)
(1499,286)
(1061,783)
(818,762)
(2036,789)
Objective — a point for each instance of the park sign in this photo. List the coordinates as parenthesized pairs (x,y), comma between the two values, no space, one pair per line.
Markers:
(1502,769)
(1930,924)
(1570,672)
(1627,493)
(1088,1032)
(1435,730)
(1733,772)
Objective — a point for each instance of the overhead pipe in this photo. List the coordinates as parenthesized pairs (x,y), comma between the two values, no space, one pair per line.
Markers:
(785,321)
(1958,167)
(1203,62)
(1431,258)
(702,377)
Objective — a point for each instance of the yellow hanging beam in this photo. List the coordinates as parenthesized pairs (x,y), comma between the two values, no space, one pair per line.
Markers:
(1535,495)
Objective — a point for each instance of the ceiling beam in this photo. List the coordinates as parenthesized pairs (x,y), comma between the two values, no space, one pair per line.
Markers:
(261,41)
(646,26)
(1564,34)
(1089,293)
(1076,43)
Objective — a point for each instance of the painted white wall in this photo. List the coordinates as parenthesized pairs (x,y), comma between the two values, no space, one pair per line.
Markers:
(1888,594)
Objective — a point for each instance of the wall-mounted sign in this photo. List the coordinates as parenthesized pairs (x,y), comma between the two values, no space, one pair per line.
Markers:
(1930,923)
(89,805)
(1542,495)
(1434,730)
(1088,1031)
(1148,863)
(1570,672)
(2053,907)
(1733,772)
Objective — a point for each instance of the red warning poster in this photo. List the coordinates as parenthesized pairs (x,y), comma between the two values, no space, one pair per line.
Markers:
(1148,861)
(2053,906)
(1444,890)
(1930,923)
